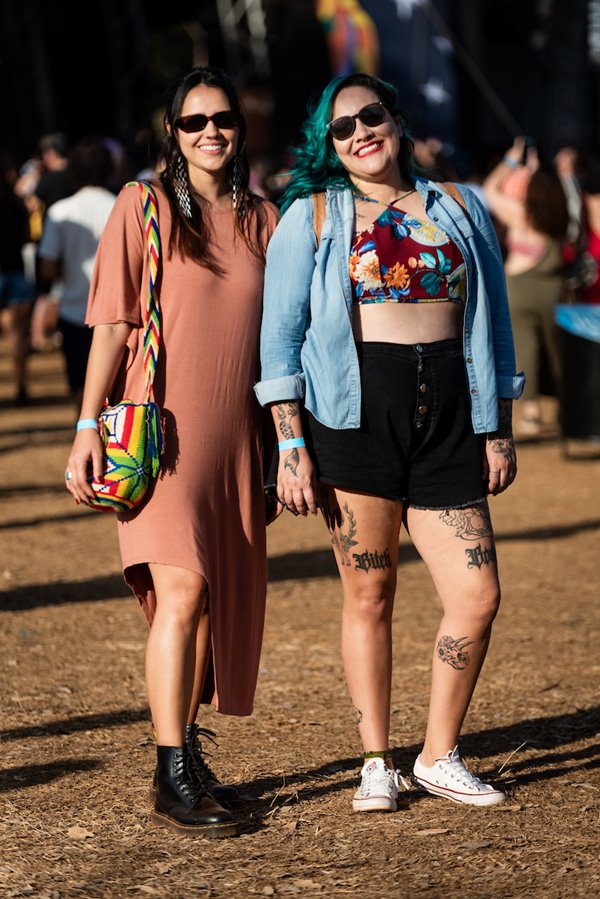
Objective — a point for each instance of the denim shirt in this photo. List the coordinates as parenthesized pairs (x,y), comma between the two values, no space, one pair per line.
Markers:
(308,351)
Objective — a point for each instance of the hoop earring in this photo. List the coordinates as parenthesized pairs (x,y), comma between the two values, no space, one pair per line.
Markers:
(181,186)
(236,181)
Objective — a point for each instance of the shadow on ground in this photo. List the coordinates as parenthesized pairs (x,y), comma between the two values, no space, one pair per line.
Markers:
(32,775)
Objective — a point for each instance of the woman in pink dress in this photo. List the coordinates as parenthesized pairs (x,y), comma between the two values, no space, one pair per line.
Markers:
(194,553)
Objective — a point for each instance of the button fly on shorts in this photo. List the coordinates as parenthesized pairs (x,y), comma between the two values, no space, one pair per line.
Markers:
(421,406)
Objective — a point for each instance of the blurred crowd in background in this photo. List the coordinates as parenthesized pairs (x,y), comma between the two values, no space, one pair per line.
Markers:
(55,199)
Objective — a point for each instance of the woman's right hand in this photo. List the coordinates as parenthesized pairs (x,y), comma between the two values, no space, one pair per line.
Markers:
(296,482)
(86,453)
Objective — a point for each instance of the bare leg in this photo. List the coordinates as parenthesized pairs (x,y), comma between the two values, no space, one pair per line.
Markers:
(458,547)
(173,655)
(364,532)
(201,658)
(14,324)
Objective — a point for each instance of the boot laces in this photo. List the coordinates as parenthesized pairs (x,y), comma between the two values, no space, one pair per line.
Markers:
(202,769)
(187,781)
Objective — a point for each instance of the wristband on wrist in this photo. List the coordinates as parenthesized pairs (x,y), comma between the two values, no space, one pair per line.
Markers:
(291,444)
(511,163)
(85,423)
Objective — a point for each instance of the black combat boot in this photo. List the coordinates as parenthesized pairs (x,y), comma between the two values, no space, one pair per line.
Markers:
(182,803)
(225,794)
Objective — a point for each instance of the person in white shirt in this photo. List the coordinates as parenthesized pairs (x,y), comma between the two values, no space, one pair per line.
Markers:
(67,250)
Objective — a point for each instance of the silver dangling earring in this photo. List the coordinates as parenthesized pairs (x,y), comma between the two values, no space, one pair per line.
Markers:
(181,188)
(236,181)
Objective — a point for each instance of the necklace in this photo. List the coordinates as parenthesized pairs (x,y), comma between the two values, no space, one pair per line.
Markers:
(382,203)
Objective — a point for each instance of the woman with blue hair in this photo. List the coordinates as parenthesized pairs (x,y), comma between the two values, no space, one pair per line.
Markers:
(388,362)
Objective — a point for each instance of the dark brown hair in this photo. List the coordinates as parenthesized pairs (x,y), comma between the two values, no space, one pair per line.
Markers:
(191,236)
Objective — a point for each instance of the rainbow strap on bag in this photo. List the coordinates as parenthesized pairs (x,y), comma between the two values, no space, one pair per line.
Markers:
(131,432)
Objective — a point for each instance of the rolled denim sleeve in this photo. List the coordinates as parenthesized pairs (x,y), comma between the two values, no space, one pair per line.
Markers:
(286,305)
(509,384)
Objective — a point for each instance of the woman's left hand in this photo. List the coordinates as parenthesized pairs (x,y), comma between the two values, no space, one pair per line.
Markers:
(500,463)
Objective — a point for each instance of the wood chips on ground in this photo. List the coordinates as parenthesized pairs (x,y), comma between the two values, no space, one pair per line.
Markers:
(77,750)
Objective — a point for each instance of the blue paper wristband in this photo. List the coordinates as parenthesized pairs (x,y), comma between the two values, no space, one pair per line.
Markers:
(84,423)
(291,444)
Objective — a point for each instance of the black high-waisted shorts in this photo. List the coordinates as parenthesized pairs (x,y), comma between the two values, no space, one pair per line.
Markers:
(416,440)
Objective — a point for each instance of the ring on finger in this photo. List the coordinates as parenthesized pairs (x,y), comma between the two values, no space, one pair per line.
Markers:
(68,475)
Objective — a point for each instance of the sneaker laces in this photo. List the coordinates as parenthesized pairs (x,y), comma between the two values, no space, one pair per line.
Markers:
(453,765)
(376,773)
(202,769)
(400,779)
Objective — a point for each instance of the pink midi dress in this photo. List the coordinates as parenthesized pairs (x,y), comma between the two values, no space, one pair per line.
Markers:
(206,512)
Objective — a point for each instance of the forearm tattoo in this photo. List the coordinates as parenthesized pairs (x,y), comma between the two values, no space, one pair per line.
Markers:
(285,413)
(291,462)
(471,524)
(344,542)
(453,652)
(504,431)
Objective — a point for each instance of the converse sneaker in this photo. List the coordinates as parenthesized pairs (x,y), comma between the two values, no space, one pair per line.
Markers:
(378,789)
(448,777)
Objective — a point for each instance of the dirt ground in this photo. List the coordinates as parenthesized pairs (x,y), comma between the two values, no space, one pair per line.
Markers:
(77,751)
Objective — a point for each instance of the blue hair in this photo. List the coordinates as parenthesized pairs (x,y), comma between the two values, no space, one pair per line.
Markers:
(316,164)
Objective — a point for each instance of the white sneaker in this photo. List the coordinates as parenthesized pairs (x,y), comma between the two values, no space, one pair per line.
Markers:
(448,777)
(378,790)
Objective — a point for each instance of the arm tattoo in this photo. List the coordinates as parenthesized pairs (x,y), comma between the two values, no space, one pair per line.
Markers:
(504,431)
(291,461)
(285,413)
(506,448)
(470,524)
(344,542)
(453,652)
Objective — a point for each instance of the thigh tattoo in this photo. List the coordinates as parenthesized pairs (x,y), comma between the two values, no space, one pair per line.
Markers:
(344,542)
(480,555)
(471,524)
(342,527)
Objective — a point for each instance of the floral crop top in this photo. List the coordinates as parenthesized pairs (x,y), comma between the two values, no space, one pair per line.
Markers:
(401,259)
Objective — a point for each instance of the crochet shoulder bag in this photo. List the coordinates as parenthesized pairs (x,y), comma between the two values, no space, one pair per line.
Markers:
(132,433)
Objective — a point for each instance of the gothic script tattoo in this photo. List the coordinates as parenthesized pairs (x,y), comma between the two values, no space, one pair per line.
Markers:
(285,413)
(291,461)
(345,542)
(479,556)
(470,524)
(453,651)
(372,561)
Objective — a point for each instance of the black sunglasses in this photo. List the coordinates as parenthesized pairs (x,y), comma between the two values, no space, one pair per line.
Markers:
(345,126)
(198,122)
